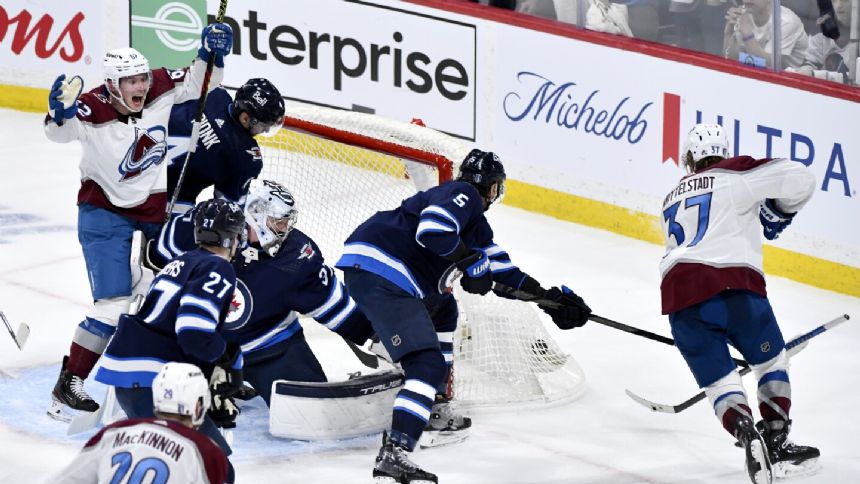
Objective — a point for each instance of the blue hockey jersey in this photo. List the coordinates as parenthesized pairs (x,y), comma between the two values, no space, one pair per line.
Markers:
(180,320)
(407,245)
(271,292)
(227,156)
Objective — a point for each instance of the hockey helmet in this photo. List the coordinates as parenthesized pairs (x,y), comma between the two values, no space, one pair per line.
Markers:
(261,100)
(270,210)
(483,169)
(704,141)
(181,389)
(218,223)
(124,62)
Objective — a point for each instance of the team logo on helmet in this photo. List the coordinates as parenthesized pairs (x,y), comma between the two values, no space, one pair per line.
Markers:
(146,151)
(241,307)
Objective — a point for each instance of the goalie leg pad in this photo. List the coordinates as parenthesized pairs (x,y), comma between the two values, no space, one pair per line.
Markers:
(333,410)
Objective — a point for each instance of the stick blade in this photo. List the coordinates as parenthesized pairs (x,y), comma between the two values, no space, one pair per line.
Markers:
(22,335)
(85,421)
(653,406)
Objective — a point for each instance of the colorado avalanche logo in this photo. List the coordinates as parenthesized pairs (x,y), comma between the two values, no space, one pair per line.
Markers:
(241,307)
(146,151)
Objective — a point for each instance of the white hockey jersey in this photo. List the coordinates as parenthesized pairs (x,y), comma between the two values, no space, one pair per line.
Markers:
(157,450)
(122,167)
(712,229)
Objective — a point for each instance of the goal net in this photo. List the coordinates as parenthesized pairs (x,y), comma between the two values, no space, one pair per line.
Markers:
(342,167)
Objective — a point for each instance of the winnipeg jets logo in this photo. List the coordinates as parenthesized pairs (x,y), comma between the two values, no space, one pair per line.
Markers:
(255,153)
(446,281)
(307,252)
(241,307)
(148,149)
(219,122)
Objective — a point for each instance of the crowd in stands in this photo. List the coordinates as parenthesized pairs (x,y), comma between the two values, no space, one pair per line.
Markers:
(734,29)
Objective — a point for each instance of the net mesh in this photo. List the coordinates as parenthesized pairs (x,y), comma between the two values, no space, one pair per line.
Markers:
(343,167)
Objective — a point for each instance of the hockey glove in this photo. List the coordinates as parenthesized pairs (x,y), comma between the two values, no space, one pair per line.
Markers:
(572,312)
(217,40)
(223,412)
(477,278)
(62,100)
(227,377)
(773,220)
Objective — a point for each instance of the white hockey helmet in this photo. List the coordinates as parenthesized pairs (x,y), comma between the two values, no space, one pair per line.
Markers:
(181,389)
(124,62)
(704,141)
(270,210)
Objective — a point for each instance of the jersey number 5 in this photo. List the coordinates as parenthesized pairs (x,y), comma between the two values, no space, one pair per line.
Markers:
(703,204)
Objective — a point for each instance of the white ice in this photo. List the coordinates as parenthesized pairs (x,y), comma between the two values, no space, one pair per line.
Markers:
(603,437)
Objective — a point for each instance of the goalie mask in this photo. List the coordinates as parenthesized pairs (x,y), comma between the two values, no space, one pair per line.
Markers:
(704,141)
(484,169)
(181,389)
(270,210)
(124,64)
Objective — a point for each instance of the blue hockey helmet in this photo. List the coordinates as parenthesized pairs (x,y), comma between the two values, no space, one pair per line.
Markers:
(261,100)
(483,169)
(219,223)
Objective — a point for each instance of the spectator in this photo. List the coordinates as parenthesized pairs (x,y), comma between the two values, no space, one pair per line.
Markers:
(698,24)
(610,17)
(538,8)
(827,58)
(748,35)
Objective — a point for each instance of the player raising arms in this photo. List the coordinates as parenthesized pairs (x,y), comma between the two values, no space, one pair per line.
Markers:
(397,267)
(122,125)
(167,447)
(227,155)
(713,289)
(181,320)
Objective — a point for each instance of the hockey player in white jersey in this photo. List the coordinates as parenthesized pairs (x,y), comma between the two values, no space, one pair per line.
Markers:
(713,290)
(165,449)
(122,126)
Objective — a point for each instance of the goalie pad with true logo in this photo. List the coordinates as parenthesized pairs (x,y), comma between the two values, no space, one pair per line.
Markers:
(333,410)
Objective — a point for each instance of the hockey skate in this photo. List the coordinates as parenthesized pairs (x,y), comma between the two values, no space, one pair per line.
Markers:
(393,466)
(445,426)
(69,393)
(787,458)
(757,462)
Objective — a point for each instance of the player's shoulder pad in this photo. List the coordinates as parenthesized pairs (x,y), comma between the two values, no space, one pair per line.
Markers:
(739,164)
(94,107)
(299,254)
(164,80)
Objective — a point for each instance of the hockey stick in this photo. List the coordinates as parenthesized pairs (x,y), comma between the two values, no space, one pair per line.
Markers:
(195,128)
(525,296)
(20,338)
(85,421)
(366,359)
(793,347)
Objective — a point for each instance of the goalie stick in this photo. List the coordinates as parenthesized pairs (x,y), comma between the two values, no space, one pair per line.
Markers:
(525,296)
(195,128)
(19,337)
(793,347)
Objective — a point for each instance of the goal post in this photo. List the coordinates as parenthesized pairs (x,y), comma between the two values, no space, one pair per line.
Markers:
(344,166)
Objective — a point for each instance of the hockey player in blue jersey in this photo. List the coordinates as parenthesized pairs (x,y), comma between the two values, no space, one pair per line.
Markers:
(281,274)
(181,320)
(398,266)
(227,155)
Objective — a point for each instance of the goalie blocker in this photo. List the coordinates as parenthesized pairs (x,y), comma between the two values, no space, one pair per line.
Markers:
(333,410)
